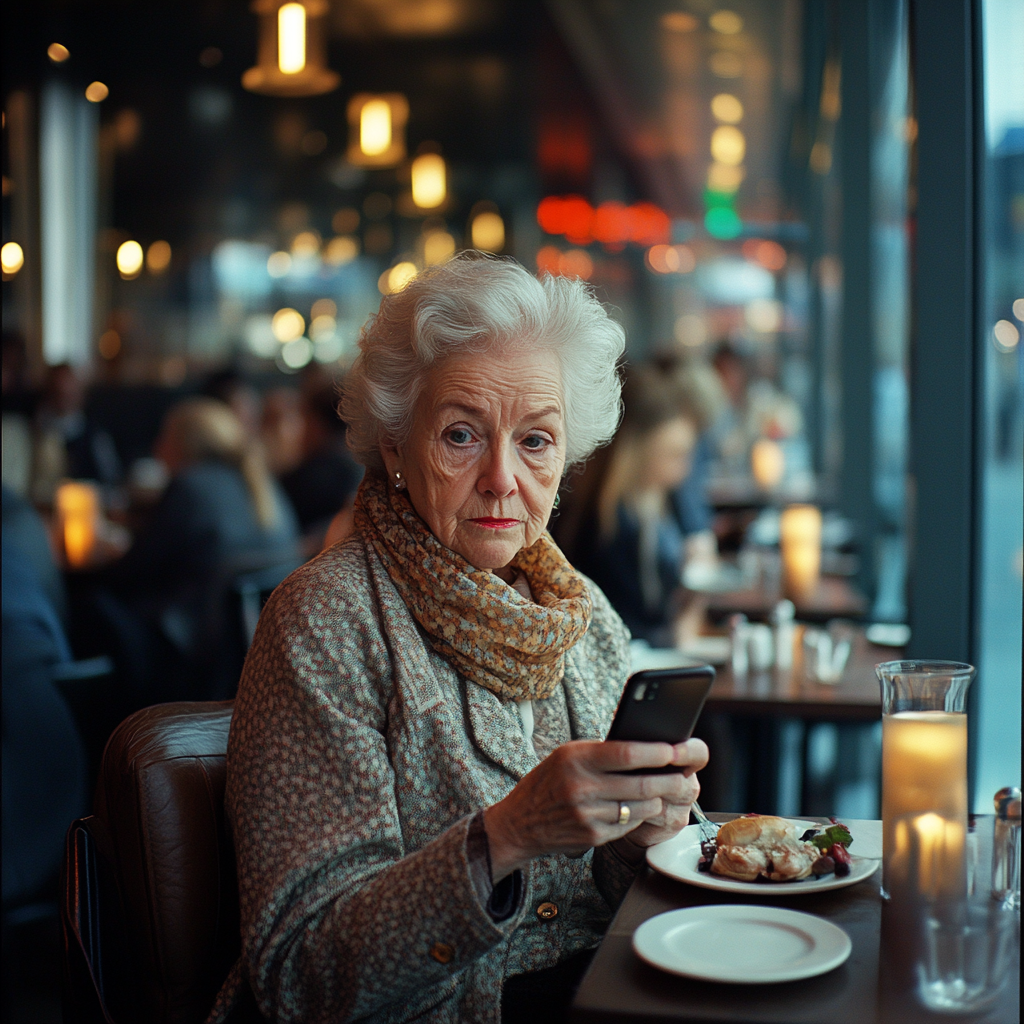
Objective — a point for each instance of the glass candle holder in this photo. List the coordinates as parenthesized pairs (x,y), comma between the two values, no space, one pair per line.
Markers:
(924,777)
(78,506)
(800,541)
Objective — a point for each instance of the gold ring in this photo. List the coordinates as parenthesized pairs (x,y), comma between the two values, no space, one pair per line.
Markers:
(623,814)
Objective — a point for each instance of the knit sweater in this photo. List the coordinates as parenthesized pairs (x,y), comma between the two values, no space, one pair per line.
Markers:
(357,760)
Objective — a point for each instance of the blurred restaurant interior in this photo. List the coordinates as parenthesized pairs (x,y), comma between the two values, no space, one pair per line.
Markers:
(808,214)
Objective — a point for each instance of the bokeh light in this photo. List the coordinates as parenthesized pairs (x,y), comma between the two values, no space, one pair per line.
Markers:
(58,53)
(129,259)
(1018,309)
(671,259)
(323,307)
(323,326)
(727,108)
(278,264)
(726,179)
(96,92)
(305,244)
(763,315)
(488,231)
(291,39)
(691,330)
(679,21)
(397,277)
(297,354)
(12,258)
(765,253)
(728,23)
(1006,336)
(429,181)
(438,246)
(375,127)
(158,257)
(288,324)
(728,145)
(722,222)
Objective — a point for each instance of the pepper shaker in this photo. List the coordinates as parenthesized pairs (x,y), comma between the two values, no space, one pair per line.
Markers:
(738,631)
(1006,849)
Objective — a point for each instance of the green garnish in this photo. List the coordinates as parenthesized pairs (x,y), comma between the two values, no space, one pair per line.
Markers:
(824,841)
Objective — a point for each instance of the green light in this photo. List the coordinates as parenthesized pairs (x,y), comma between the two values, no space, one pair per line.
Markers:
(713,199)
(722,222)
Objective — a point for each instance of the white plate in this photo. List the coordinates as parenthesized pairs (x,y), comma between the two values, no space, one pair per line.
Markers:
(740,944)
(677,857)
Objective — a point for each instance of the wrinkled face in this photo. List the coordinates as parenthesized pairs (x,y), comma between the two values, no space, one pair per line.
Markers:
(486,453)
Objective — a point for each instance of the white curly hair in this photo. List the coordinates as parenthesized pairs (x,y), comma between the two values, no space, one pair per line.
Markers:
(474,303)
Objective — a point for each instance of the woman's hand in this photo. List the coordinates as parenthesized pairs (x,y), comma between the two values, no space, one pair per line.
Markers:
(571,800)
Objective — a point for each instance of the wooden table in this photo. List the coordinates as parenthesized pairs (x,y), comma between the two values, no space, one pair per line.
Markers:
(874,986)
(790,693)
(834,598)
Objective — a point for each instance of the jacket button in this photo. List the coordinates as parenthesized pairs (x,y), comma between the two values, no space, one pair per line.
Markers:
(547,911)
(442,952)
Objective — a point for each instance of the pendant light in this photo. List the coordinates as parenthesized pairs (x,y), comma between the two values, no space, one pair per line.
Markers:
(376,129)
(292,54)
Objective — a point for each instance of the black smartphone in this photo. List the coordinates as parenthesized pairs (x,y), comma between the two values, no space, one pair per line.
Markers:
(661,705)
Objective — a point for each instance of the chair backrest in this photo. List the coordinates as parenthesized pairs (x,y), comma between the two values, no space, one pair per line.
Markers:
(156,908)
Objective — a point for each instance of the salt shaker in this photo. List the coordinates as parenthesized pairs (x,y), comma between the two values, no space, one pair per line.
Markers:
(759,638)
(782,620)
(1006,849)
(738,632)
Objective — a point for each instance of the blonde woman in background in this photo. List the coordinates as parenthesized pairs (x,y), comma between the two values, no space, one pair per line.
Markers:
(618,525)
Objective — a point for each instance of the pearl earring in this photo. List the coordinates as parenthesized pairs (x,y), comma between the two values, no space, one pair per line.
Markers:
(399,482)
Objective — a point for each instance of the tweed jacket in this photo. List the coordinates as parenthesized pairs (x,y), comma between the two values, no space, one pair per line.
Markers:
(356,762)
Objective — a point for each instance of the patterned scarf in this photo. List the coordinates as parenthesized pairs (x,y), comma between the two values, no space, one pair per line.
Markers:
(489,632)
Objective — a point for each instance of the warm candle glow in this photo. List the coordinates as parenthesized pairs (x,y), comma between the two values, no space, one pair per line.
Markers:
(429,186)
(291,38)
(767,463)
(924,799)
(800,540)
(375,127)
(77,511)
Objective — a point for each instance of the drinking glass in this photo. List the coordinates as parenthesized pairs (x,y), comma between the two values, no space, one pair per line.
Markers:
(924,776)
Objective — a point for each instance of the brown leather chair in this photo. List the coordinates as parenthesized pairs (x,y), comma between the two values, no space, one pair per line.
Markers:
(149,895)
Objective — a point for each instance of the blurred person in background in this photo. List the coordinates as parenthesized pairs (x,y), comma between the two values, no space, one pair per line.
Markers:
(325,481)
(44,760)
(281,429)
(619,526)
(221,513)
(67,443)
(703,395)
(233,388)
(18,404)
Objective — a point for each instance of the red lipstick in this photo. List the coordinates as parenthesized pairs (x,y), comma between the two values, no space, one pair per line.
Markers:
(496,524)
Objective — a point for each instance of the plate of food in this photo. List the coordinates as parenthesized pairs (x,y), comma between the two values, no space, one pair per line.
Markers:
(744,945)
(764,854)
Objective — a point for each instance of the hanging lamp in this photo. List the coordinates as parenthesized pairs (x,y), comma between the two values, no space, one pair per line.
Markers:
(292,51)
(377,129)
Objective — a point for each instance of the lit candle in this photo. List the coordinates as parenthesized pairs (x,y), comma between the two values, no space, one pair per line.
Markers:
(78,512)
(924,800)
(800,540)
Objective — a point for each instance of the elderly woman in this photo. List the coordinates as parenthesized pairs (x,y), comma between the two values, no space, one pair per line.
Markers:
(421,801)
